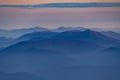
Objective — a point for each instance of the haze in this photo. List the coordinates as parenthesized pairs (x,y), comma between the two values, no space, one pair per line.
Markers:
(12,18)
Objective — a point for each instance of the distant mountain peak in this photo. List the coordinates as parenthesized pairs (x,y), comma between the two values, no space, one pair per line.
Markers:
(39,27)
(62,29)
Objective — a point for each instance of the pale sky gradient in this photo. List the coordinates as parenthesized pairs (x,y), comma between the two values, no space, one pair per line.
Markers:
(14,18)
(50,1)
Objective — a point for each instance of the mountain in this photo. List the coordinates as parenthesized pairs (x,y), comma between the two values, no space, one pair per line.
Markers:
(77,41)
(69,34)
(5,41)
(61,56)
(36,36)
(1,49)
(19,76)
(63,29)
(52,45)
(46,57)
(113,50)
(110,56)
(10,37)
(42,35)
(19,32)
(86,35)
(111,34)
(33,57)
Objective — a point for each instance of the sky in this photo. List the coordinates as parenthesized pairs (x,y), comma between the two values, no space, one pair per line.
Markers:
(12,18)
(50,1)
(15,18)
